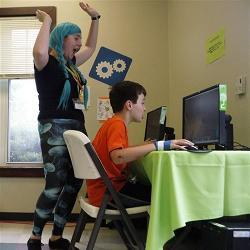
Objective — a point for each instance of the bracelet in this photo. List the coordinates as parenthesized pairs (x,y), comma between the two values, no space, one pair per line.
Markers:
(162,145)
(95,17)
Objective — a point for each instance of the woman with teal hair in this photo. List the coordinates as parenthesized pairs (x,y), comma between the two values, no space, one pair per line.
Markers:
(60,87)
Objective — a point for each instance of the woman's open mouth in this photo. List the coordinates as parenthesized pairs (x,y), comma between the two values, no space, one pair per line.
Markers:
(76,50)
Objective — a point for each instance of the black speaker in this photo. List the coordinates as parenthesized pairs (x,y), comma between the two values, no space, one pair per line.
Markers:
(229,133)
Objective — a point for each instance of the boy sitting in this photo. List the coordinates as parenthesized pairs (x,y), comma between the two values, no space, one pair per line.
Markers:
(111,144)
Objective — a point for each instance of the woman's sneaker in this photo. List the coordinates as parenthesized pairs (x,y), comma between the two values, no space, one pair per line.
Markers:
(62,244)
(34,244)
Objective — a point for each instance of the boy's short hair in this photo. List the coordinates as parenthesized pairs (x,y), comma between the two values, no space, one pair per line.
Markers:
(124,91)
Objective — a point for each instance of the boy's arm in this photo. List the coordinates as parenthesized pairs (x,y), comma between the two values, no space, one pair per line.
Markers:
(119,156)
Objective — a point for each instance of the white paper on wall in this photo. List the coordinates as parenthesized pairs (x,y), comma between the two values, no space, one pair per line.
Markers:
(104,109)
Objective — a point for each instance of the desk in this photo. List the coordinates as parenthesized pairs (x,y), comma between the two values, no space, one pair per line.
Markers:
(194,186)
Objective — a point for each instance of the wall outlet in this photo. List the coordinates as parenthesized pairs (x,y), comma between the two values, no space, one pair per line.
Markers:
(240,85)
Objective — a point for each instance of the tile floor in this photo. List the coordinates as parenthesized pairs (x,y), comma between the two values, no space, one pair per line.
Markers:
(19,232)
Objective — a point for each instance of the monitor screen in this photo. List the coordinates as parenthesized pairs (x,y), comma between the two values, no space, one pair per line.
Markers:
(203,119)
(155,124)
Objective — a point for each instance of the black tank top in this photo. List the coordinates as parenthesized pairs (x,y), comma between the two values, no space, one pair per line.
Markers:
(49,83)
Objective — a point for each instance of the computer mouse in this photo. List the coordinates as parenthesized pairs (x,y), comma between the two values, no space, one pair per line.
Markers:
(191,147)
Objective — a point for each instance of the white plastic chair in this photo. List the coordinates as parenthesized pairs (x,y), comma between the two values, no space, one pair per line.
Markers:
(87,165)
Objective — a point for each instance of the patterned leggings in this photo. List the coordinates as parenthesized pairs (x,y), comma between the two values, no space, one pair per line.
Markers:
(61,187)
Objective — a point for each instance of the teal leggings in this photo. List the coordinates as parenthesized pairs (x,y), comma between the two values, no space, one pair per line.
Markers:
(61,187)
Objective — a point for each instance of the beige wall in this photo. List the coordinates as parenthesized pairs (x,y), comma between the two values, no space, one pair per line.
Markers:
(19,194)
(129,27)
(166,40)
(190,24)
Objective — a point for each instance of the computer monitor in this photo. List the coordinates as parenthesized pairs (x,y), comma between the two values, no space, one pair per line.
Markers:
(204,118)
(155,124)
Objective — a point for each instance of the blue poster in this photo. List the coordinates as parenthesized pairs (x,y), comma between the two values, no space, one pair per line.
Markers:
(110,66)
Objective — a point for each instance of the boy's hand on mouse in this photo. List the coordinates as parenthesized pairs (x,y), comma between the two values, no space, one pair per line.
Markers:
(172,144)
(181,143)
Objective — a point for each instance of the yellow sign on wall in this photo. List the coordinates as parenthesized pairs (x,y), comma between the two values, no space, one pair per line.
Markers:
(215,46)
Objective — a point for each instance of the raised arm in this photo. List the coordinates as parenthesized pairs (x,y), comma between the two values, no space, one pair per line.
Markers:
(87,51)
(41,46)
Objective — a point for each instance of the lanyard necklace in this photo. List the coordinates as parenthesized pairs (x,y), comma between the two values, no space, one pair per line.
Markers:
(75,75)
(77,78)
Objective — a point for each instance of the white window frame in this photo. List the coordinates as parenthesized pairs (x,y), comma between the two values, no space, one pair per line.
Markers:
(16,169)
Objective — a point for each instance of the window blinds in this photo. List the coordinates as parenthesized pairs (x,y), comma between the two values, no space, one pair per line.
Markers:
(17,37)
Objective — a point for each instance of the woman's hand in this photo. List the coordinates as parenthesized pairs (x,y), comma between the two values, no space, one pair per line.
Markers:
(42,16)
(89,10)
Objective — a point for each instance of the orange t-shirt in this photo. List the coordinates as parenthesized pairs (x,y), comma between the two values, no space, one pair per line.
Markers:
(112,135)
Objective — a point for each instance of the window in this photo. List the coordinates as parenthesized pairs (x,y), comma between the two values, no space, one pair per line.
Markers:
(18,96)
(23,138)
(18,35)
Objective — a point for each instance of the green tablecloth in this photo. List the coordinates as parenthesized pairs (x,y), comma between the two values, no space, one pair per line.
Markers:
(194,186)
